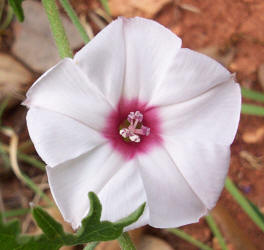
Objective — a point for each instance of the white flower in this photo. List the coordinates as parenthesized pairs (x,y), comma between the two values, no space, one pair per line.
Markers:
(134,118)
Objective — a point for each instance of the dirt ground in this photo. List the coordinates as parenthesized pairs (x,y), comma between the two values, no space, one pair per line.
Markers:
(233,33)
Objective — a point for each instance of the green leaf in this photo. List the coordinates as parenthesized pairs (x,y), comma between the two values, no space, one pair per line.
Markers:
(8,234)
(92,228)
(11,238)
(54,237)
(17,8)
(51,228)
(37,243)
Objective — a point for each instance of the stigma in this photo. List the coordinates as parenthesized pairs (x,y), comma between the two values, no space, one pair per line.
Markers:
(135,129)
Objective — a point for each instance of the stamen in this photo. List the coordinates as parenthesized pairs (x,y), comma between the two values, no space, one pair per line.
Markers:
(132,132)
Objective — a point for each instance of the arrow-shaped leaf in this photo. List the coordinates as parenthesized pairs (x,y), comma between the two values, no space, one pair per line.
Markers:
(54,237)
(92,228)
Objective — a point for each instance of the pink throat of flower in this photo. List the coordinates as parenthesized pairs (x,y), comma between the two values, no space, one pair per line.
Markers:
(133,133)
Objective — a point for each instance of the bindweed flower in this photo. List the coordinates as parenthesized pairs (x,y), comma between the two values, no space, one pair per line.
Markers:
(134,117)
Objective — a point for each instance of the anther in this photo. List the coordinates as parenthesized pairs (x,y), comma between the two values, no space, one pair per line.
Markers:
(133,132)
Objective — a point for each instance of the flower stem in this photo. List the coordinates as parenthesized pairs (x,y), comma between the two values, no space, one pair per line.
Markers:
(251,94)
(125,242)
(91,246)
(106,6)
(8,19)
(15,212)
(2,5)
(57,28)
(210,221)
(181,234)
(244,203)
(251,109)
(3,106)
(75,20)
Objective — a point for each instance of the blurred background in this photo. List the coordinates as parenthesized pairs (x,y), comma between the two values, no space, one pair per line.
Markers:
(232,32)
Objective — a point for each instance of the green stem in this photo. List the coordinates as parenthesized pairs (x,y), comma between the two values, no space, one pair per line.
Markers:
(22,157)
(210,221)
(91,246)
(3,106)
(2,5)
(243,202)
(31,160)
(250,109)
(181,234)
(4,157)
(125,242)
(57,28)
(36,189)
(75,20)
(15,212)
(251,94)
(8,19)
(106,6)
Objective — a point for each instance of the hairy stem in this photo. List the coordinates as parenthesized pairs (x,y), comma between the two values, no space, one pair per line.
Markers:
(57,28)
(91,246)
(75,20)
(125,242)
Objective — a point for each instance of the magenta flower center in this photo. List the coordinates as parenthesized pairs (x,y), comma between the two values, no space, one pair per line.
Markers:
(133,128)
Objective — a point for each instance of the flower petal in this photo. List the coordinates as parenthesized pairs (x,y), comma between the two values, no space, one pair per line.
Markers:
(204,165)
(65,89)
(211,117)
(189,75)
(172,202)
(150,49)
(103,60)
(71,181)
(58,138)
(123,194)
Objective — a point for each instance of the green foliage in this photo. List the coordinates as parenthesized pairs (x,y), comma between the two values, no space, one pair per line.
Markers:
(251,109)
(251,210)
(57,28)
(181,234)
(91,246)
(214,228)
(92,228)
(8,234)
(17,8)
(252,94)
(257,211)
(75,20)
(106,6)
(10,238)
(54,237)
(15,212)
